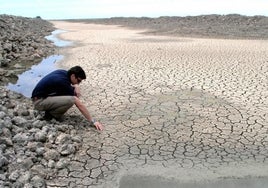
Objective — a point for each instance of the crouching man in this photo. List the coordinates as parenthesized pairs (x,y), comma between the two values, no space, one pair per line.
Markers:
(58,91)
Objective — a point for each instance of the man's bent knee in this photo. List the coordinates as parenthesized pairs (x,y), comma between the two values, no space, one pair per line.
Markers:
(54,103)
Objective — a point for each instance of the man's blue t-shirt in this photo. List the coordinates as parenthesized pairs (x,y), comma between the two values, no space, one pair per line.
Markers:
(56,83)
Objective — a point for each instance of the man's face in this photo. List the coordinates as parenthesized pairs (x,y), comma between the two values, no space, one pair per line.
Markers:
(75,79)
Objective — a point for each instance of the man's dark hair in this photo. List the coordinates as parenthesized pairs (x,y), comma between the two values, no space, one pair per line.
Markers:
(77,71)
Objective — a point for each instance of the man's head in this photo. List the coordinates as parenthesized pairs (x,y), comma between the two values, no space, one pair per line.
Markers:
(76,74)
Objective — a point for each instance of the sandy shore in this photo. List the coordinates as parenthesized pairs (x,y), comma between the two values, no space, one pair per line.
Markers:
(183,104)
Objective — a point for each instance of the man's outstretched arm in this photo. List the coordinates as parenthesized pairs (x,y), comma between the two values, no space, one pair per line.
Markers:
(82,108)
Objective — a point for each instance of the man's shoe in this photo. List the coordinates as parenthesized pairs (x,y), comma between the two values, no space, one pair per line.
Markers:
(47,116)
(59,119)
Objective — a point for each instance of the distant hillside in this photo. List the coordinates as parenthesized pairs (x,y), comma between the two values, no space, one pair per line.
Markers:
(232,26)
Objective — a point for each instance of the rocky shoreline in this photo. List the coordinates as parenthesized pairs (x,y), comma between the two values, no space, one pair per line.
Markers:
(30,149)
(22,44)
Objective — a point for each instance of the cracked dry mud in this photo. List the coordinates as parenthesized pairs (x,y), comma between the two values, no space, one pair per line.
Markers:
(182,108)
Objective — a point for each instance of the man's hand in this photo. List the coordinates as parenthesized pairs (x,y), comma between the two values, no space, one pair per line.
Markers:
(82,108)
(98,126)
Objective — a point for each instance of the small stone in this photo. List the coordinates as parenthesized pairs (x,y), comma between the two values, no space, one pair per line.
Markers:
(67,149)
(14,175)
(3,161)
(37,181)
(40,136)
(52,154)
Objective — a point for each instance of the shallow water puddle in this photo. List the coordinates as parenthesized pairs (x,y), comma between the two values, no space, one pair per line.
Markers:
(28,79)
(58,42)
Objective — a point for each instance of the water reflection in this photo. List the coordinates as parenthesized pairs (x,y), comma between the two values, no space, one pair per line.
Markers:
(27,80)
(58,42)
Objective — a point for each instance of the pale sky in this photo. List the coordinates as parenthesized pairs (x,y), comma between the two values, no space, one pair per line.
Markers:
(73,9)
